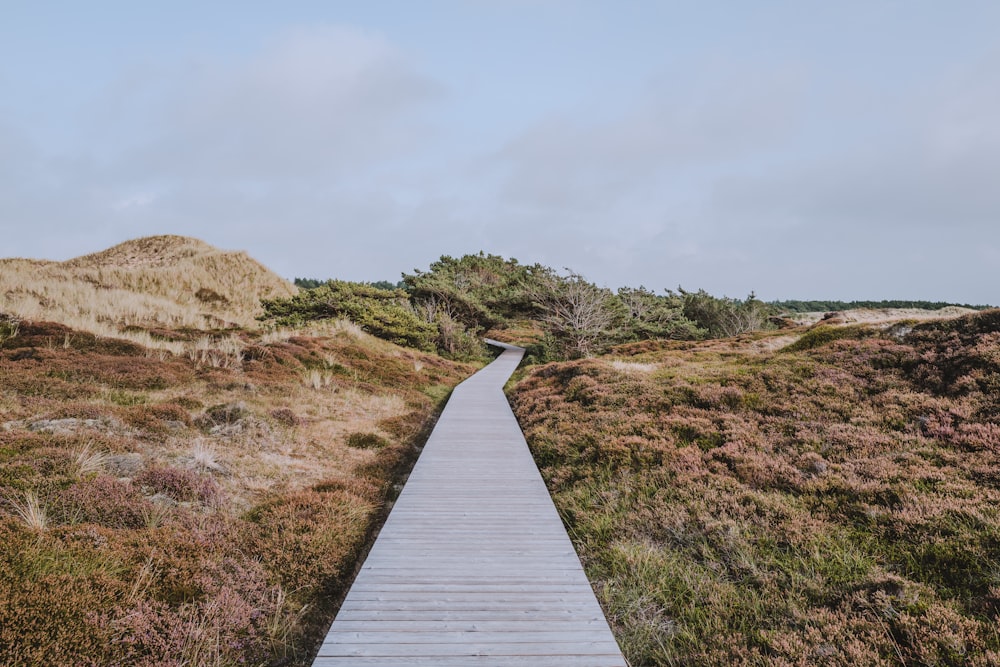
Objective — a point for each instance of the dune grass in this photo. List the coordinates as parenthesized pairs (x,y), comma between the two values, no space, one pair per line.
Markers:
(129,290)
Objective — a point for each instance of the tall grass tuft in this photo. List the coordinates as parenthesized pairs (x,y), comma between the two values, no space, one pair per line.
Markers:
(284,622)
(90,461)
(204,456)
(31,511)
(217,352)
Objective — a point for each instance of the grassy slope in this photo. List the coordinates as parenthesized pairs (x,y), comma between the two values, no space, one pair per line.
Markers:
(833,502)
(201,498)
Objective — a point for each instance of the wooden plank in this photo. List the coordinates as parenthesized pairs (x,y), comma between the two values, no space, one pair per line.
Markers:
(432,605)
(470,647)
(459,626)
(473,565)
(465,637)
(444,616)
(474,661)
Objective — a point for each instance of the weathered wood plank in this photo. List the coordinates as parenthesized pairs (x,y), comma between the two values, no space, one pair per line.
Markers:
(473,566)
(456,626)
(470,647)
(474,661)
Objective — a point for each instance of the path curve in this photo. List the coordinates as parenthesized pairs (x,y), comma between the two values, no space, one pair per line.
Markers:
(473,565)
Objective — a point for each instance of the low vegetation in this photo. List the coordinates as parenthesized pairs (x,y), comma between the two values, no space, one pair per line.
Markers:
(199,501)
(751,502)
(194,453)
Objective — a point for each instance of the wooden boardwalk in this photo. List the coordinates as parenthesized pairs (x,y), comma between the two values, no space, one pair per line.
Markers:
(473,565)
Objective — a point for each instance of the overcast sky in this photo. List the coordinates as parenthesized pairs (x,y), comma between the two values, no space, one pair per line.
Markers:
(801,149)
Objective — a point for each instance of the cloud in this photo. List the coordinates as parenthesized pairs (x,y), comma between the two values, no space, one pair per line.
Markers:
(789,183)
(683,121)
(930,164)
(217,147)
(327,151)
(315,104)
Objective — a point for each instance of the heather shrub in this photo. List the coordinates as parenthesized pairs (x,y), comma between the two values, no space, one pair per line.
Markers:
(366,441)
(829,503)
(180,484)
(824,334)
(102,500)
(156,420)
(225,624)
(308,538)
(51,595)
(225,414)
(33,464)
(167,569)
(285,417)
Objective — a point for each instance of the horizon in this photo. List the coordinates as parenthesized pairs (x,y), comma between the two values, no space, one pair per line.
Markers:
(295,279)
(785,150)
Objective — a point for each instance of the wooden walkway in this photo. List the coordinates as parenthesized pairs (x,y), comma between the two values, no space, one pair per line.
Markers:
(473,565)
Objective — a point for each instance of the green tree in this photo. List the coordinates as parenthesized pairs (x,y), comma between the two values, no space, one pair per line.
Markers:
(654,316)
(480,291)
(724,317)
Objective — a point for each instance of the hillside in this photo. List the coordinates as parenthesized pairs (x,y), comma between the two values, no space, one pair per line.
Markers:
(165,281)
(176,480)
(827,497)
(177,496)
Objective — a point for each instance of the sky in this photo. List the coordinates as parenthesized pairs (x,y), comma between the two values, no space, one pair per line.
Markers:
(800,149)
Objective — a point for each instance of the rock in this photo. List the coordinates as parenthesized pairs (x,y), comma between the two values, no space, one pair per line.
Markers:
(124,465)
(62,426)
(163,499)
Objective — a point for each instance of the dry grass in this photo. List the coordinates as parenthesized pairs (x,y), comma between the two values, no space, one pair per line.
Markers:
(632,366)
(30,511)
(205,456)
(90,461)
(217,351)
(164,281)
(882,315)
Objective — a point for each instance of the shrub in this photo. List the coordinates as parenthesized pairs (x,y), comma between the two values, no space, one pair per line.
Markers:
(737,507)
(383,313)
(285,417)
(227,624)
(180,484)
(825,334)
(308,538)
(366,441)
(9,327)
(103,500)
(225,414)
(724,317)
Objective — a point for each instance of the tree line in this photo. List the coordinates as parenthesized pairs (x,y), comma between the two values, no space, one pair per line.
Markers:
(449,308)
(794,306)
